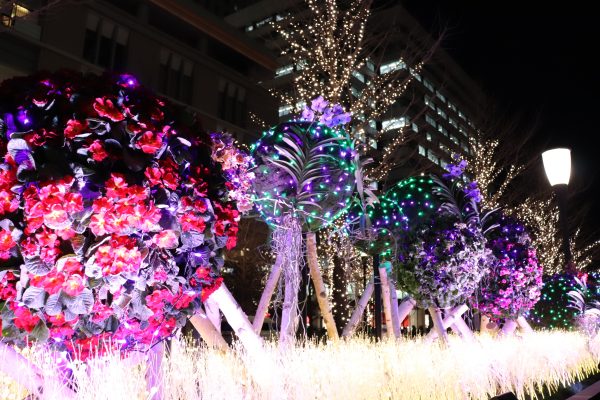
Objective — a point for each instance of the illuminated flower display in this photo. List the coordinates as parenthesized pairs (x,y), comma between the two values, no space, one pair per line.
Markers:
(305,168)
(113,215)
(514,283)
(442,258)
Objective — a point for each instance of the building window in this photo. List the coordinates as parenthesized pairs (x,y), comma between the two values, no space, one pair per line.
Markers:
(415,74)
(286,69)
(428,85)
(465,148)
(440,96)
(429,102)
(392,66)
(462,130)
(105,43)
(370,65)
(285,110)
(232,102)
(460,114)
(429,136)
(249,28)
(358,76)
(422,151)
(16,11)
(373,143)
(175,76)
(453,123)
(442,130)
(430,120)
(452,106)
(444,148)
(441,113)
(415,127)
(355,92)
(433,157)
(394,123)
(443,163)
(455,140)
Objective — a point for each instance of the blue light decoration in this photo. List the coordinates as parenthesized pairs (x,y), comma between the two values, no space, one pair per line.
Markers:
(305,168)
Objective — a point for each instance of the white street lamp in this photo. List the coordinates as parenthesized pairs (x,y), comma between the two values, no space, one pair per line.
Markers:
(557,164)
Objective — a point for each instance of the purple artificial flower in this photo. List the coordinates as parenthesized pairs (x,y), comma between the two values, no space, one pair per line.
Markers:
(455,171)
(327,118)
(308,114)
(319,104)
(472,191)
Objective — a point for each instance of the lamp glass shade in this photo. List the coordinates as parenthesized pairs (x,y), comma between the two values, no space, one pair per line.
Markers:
(557,164)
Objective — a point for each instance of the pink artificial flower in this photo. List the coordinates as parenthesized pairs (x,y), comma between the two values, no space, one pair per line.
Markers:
(166,239)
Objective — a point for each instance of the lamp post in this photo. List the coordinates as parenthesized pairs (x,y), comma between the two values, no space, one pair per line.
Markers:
(557,164)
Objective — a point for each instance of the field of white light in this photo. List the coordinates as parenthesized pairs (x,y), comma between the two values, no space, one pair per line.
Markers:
(354,369)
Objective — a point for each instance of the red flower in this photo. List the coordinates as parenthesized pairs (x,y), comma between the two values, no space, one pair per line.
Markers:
(97,151)
(105,108)
(100,312)
(7,243)
(74,128)
(7,286)
(74,285)
(203,273)
(166,239)
(150,142)
(24,319)
(189,221)
(207,291)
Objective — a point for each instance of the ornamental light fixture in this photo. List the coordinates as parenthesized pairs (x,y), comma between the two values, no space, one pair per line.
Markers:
(557,164)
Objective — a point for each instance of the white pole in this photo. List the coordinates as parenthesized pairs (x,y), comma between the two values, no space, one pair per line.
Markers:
(524,325)
(359,310)
(386,297)
(438,325)
(509,327)
(236,318)
(265,297)
(395,316)
(214,315)
(207,331)
(405,308)
(289,313)
(154,375)
(447,322)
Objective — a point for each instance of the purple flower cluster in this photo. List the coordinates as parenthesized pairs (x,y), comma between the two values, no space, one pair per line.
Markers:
(445,264)
(514,283)
(321,111)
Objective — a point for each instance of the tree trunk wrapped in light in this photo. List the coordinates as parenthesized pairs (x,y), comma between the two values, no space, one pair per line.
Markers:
(208,331)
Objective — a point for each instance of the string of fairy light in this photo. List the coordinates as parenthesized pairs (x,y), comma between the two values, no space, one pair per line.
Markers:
(542,216)
(491,176)
(326,44)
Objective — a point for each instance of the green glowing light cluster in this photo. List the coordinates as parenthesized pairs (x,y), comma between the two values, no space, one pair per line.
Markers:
(416,199)
(553,310)
(305,169)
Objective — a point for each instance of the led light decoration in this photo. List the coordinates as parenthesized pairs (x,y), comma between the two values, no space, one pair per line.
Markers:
(305,168)
(513,285)
(443,258)
(553,310)
(416,199)
(113,214)
(374,230)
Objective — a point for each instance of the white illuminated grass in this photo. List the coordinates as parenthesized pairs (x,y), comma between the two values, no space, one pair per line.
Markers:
(353,369)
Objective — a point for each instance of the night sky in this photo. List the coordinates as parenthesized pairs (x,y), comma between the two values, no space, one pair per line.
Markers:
(536,62)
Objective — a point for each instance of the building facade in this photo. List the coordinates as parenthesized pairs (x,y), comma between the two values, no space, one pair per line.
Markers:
(181,49)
